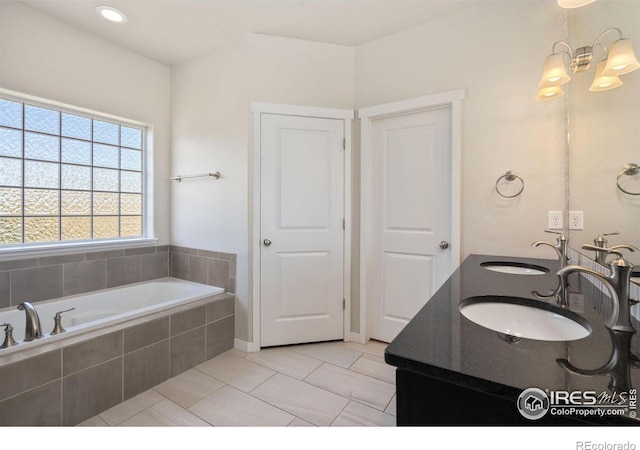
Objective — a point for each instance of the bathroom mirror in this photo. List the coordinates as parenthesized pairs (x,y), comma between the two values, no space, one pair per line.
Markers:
(604,132)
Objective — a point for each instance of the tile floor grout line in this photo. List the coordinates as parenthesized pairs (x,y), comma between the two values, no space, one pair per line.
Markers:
(243,355)
(302,381)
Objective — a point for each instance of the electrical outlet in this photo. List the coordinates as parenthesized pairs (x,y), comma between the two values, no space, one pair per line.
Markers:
(555,220)
(576,220)
(576,302)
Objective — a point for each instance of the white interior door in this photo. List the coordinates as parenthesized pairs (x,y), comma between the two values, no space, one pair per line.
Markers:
(302,236)
(410,198)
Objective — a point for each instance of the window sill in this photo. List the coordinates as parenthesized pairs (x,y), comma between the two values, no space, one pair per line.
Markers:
(55,249)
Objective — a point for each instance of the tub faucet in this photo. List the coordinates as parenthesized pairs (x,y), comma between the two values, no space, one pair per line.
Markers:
(33,328)
(618,283)
(561,247)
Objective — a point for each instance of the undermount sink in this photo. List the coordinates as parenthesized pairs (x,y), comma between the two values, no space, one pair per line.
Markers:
(524,318)
(514,268)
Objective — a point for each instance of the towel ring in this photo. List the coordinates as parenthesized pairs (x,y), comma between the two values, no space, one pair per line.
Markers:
(510,176)
(628,169)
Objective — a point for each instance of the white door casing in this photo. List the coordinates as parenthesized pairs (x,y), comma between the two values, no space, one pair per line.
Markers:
(410,203)
(302,272)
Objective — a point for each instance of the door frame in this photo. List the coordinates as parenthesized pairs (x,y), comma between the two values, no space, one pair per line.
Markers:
(257,109)
(452,99)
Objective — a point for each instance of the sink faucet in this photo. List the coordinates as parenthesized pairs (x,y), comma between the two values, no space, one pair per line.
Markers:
(561,247)
(33,328)
(617,282)
(601,242)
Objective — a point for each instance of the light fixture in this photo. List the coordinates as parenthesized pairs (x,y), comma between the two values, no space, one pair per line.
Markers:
(549,92)
(554,73)
(574,3)
(111,14)
(602,82)
(619,60)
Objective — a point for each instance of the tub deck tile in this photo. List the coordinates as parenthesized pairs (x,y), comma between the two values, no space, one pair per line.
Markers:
(146,368)
(91,391)
(89,353)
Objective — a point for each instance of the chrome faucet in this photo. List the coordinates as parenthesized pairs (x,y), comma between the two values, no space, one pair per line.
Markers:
(33,329)
(561,247)
(601,242)
(618,283)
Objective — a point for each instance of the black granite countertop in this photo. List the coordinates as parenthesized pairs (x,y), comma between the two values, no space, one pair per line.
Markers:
(440,342)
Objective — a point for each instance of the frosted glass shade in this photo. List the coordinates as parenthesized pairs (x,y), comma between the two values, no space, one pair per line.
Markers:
(621,58)
(602,82)
(574,3)
(554,73)
(550,92)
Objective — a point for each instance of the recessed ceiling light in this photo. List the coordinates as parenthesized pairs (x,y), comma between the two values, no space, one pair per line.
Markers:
(111,14)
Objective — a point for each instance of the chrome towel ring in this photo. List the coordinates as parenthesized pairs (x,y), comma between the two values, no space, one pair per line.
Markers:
(628,169)
(510,176)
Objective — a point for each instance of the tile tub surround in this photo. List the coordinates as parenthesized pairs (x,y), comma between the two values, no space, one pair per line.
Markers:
(78,273)
(204,266)
(68,385)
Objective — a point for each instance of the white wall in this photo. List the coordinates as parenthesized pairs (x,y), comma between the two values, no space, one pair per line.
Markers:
(211,99)
(495,51)
(210,131)
(297,72)
(43,57)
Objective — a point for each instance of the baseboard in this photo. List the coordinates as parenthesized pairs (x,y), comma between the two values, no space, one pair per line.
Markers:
(359,338)
(245,346)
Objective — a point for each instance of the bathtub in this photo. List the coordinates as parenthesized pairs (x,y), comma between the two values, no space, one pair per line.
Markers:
(102,309)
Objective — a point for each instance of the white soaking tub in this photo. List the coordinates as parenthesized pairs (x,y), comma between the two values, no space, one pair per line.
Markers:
(104,309)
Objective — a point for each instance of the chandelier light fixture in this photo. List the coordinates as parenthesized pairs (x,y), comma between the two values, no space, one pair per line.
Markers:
(619,59)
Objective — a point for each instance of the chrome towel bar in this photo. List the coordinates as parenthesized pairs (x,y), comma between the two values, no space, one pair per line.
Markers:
(628,169)
(179,178)
(510,176)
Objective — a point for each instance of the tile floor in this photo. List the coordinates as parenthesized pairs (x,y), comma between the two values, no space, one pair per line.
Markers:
(324,384)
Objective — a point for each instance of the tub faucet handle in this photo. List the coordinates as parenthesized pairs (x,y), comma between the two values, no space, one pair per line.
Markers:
(8,336)
(57,329)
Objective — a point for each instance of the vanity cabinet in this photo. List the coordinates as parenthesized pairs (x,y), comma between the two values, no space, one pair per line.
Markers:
(452,371)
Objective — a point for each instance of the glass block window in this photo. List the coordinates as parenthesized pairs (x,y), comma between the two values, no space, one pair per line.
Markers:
(67,176)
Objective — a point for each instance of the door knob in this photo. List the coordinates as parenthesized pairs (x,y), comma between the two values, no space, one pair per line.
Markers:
(267,242)
(444,245)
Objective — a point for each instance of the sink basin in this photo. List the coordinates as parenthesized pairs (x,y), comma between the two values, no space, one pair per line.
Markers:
(524,318)
(515,268)
(635,277)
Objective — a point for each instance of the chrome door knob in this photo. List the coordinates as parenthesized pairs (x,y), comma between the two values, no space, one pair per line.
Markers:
(444,245)
(267,242)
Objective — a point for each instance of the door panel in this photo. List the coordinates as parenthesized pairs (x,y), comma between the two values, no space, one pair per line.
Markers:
(410,192)
(302,207)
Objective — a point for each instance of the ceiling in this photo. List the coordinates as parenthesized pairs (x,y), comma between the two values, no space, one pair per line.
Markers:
(173,31)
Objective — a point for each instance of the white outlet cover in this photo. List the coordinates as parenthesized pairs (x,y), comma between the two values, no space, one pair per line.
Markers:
(576,220)
(555,220)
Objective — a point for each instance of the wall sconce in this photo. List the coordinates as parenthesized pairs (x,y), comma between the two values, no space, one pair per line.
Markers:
(574,3)
(619,60)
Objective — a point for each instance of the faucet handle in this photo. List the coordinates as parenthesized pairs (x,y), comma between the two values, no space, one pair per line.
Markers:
(629,247)
(595,248)
(57,329)
(560,234)
(8,336)
(600,241)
